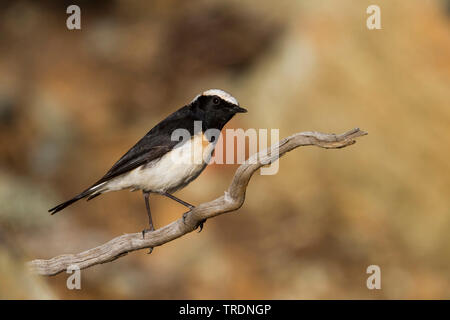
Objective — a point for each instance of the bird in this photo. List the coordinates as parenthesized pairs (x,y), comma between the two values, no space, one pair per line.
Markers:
(160,164)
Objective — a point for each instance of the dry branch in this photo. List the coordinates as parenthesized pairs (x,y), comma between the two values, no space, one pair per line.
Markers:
(230,201)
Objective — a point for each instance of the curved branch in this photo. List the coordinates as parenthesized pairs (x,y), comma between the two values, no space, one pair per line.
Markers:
(232,200)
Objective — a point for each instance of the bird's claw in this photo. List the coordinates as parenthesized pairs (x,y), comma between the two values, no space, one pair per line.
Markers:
(184,216)
(200,225)
(145,231)
(143,237)
(186,213)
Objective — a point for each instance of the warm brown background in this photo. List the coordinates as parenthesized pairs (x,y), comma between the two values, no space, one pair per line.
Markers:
(71,102)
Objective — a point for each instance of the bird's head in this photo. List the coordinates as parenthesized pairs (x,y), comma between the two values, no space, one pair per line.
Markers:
(216,107)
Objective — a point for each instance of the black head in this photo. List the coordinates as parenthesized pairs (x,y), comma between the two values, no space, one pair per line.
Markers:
(215,108)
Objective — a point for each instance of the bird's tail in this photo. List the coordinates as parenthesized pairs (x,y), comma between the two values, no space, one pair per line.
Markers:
(90,193)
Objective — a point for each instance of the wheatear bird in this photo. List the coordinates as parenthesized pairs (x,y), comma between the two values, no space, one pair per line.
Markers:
(158,163)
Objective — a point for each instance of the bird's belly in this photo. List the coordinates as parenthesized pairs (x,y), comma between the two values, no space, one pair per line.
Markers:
(171,172)
(169,176)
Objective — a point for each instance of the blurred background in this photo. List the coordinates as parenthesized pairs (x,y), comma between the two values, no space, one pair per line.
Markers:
(72,102)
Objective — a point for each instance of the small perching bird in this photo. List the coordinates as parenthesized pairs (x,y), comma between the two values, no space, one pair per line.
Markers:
(160,164)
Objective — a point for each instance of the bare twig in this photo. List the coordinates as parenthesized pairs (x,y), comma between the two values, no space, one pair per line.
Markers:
(230,201)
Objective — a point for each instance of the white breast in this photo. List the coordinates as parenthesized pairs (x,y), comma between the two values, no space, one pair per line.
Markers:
(172,172)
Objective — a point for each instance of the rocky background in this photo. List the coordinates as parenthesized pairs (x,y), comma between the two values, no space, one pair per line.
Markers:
(72,102)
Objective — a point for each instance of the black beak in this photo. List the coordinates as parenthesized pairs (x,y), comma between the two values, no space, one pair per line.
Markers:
(238,109)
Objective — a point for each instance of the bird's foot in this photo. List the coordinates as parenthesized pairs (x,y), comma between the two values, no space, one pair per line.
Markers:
(184,216)
(143,237)
(146,231)
(186,213)
(200,224)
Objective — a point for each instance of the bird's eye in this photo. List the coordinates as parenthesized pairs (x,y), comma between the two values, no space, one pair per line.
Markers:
(216,101)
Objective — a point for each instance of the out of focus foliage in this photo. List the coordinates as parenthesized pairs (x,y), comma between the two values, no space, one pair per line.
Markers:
(71,102)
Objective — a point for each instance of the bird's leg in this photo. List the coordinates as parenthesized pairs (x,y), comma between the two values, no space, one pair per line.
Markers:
(184,203)
(150,222)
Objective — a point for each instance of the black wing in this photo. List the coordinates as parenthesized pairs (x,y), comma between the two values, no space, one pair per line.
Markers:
(156,143)
(142,153)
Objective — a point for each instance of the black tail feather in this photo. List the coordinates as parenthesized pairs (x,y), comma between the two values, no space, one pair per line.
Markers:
(92,196)
(69,202)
